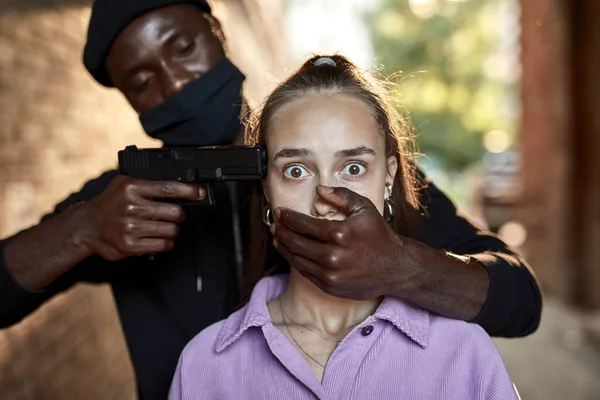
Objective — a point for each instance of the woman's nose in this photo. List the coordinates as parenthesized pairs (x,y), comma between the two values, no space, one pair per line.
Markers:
(323,209)
(320,207)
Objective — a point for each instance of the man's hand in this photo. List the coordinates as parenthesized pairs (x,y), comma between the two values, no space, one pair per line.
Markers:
(124,220)
(359,257)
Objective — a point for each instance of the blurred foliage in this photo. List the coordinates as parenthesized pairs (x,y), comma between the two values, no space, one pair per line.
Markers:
(454,83)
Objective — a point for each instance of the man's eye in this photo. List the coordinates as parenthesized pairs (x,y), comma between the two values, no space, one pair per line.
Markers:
(187,48)
(295,172)
(354,169)
(140,84)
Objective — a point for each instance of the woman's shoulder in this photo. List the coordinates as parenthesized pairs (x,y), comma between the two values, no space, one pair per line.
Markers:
(204,342)
(456,326)
(207,342)
(464,335)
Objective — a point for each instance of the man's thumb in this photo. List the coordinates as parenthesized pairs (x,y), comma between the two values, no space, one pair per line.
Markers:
(347,201)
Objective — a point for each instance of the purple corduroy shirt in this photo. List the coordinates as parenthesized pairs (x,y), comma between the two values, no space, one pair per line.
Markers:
(399,352)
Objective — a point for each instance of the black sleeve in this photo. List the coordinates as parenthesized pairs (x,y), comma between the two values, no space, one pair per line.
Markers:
(514,303)
(16,302)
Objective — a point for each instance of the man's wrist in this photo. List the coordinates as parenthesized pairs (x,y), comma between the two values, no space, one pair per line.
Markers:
(448,284)
(82,239)
(411,274)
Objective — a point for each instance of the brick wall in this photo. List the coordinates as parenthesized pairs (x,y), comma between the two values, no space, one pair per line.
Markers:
(560,131)
(57,130)
(546,124)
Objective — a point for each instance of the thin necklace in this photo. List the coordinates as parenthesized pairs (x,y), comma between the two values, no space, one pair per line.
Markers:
(292,336)
(337,342)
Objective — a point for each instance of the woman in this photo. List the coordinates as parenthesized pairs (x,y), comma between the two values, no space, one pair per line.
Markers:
(330,125)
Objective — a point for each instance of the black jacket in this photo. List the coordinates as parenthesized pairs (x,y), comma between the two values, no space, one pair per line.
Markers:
(161,309)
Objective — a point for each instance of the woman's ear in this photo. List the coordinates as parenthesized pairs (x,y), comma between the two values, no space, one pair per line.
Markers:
(392,168)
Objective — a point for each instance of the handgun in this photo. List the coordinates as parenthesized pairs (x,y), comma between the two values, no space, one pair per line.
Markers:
(203,165)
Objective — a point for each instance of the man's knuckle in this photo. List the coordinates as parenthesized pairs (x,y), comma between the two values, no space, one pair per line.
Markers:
(333,259)
(132,209)
(331,279)
(339,234)
(127,244)
(130,187)
(129,226)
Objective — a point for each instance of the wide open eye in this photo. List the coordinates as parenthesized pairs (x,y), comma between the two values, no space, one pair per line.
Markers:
(295,172)
(354,169)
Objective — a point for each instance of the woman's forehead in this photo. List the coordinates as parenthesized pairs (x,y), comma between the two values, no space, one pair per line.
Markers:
(332,120)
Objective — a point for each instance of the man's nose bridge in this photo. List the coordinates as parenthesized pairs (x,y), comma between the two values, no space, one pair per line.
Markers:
(174,78)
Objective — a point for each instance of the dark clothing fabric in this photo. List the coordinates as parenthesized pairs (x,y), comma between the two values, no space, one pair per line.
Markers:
(161,309)
(108,19)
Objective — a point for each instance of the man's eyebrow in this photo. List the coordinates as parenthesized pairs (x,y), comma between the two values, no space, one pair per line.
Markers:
(357,151)
(170,36)
(290,153)
(167,37)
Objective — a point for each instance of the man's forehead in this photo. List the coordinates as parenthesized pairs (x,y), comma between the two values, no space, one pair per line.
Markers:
(162,25)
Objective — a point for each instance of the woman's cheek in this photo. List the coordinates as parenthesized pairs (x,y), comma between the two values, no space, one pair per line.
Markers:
(369,188)
(290,194)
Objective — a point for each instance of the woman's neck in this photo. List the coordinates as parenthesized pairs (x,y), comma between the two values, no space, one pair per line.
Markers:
(308,305)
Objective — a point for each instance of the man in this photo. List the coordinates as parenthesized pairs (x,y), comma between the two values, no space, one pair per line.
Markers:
(174,271)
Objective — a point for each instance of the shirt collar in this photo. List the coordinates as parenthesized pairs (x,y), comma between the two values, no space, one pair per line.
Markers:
(254,314)
(411,320)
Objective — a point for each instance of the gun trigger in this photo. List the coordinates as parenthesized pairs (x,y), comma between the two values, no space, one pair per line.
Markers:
(190,175)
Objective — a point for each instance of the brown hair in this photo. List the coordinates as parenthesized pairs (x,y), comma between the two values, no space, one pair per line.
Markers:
(324,78)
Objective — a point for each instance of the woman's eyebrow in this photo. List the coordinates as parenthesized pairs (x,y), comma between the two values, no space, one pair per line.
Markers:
(290,153)
(357,151)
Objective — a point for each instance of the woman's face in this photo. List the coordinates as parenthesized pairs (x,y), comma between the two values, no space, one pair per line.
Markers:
(326,140)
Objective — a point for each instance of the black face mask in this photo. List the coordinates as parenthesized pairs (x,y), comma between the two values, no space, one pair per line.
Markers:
(206,112)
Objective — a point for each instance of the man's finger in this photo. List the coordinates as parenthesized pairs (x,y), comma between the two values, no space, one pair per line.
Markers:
(347,201)
(306,267)
(152,245)
(300,245)
(304,224)
(158,211)
(154,229)
(169,190)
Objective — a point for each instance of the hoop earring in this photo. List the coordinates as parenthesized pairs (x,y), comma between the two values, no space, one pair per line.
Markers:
(268,216)
(389,210)
(388,186)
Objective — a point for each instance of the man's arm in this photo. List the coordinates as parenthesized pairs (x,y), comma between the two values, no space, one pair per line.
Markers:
(39,262)
(110,219)
(512,303)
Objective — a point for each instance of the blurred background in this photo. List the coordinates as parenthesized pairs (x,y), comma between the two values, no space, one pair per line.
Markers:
(503,96)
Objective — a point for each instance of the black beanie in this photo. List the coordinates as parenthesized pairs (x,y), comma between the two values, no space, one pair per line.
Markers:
(109,18)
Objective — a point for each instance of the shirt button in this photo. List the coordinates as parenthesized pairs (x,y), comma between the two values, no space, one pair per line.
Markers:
(367,330)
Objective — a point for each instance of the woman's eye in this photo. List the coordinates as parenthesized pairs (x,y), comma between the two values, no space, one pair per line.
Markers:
(295,172)
(354,169)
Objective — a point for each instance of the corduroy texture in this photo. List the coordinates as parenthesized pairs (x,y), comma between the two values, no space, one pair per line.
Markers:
(408,354)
